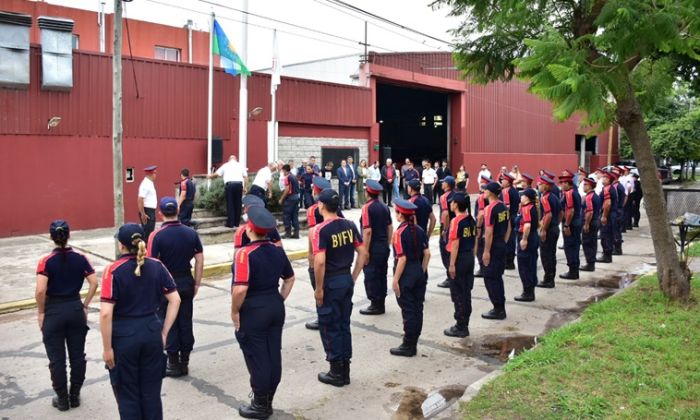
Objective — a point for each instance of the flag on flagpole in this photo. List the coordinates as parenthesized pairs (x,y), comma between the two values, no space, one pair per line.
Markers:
(230,60)
(276,65)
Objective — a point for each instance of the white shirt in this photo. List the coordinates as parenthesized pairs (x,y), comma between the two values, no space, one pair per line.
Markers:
(374,173)
(485,173)
(429,176)
(232,171)
(147,191)
(263,176)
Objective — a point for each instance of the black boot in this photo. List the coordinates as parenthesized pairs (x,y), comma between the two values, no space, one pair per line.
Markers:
(295,234)
(346,372)
(173,369)
(587,267)
(479,273)
(498,312)
(548,282)
(74,396)
(406,349)
(457,330)
(510,265)
(258,408)
(528,295)
(287,233)
(617,249)
(571,275)
(185,363)
(335,375)
(312,325)
(445,284)
(375,308)
(60,401)
(606,258)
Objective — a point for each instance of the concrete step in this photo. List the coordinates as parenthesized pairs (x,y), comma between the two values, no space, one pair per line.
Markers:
(202,214)
(215,235)
(207,222)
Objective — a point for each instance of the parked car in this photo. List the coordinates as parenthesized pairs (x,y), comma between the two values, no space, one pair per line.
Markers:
(664,173)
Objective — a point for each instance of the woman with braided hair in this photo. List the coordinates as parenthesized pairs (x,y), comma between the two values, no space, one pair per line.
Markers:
(133,337)
(62,317)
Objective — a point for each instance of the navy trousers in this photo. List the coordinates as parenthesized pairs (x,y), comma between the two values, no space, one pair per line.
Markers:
(375,272)
(412,284)
(344,191)
(260,338)
(607,234)
(572,248)
(589,242)
(139,366)
(150,225)
(511,245)
(461,288)
(445,256)
(185,214)
(290,212)
(259,192)
(334,317)
(527,262)
(548,252)
(181,335)
(493,276)
(480,253)
(234,194)
(65,325)
(619,226)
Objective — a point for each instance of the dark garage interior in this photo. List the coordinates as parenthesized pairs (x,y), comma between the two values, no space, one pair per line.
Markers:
(412,123)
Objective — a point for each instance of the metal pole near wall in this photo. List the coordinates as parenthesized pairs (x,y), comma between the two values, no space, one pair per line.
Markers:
(243,95)
(118,184)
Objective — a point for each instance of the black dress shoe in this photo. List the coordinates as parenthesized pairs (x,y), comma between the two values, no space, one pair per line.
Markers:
(494,314)
(604,259)
(617,252)
(587,267)
(372,310)
(570,275)
(312,325)
(455,331)
(510,265)
(406,349)
(445,284)
(525,297)
(546,284)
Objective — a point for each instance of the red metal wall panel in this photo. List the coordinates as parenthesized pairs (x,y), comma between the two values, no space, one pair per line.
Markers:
(438,64)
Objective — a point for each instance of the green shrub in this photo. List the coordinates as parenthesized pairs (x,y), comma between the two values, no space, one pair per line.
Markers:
(212,198)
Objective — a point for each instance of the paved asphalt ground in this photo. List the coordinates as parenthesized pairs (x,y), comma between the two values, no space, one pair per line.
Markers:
(383,386)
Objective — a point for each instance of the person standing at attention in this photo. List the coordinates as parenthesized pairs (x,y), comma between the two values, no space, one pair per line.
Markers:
(362,175)
(185,197)
(344,180)
(147,201)
(429,178)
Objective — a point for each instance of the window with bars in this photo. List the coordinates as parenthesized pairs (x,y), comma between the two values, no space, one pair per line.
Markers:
(167,53)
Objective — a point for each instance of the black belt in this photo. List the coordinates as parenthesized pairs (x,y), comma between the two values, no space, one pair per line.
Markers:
(234,182)
(61,299)
(336,273)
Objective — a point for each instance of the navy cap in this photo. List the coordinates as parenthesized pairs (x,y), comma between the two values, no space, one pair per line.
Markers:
(329,196)
(459,198)
(527,177)
(261,220)
(168,206)
(373,186)
(450,180)
(494,187)
(405,206)
(251,200)
(128,233)
(530,193)
(415,184)
(150,169)
(545,180)
(321,183)
(59,226)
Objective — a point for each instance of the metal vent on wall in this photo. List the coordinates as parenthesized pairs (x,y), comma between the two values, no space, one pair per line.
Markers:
(14,49)
(56,53)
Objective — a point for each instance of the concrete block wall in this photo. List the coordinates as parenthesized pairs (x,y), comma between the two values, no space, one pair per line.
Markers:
(300,148)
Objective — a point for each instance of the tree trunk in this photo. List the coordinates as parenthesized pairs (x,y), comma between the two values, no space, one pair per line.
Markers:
(674,279)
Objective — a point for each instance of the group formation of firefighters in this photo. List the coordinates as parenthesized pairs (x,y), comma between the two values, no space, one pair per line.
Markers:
(141,315)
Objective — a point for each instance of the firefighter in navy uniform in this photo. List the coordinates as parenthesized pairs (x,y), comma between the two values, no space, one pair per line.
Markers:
(528,242)
(290,203)
(425,218)
(257,309)
(636,196)
(446,216)
(411,258)
(479,206)
(62,317)
(334,243)
(553,188)
(511,199)
(462,235)
(132,332)
(571,226)
(549,231)
(496,233)
(377,230)
(591,222)
(621,202)
(608,217)
(185,197)
(240,236)
(175,244)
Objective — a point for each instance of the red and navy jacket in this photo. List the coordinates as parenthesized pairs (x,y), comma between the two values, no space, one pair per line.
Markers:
(338,238)
(290,182)
(511,199)
(550,204)
(66,271)
(260,265)
(241,239)
(571,200)
(592,204)
(621,193)
(528,214)
(314,217)
(479,207)
(134,296)
(409,241)
(609,193)
(189,187)
(496,215)
(376,216)
(423,210)
(175,244)
(462,229)
(445,206)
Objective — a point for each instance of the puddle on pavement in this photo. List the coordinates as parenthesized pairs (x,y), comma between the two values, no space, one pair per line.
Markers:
(416,403)
(619,281)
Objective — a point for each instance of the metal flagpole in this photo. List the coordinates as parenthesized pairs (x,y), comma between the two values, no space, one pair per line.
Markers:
(243,97)
(210,93)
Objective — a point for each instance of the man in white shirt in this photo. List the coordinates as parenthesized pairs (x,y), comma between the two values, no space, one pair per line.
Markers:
(484,172)
(148,201)
(429,178)
(235,176)
(374,173)
(262,185)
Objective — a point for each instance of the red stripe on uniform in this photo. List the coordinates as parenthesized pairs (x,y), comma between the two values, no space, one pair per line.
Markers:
(311,215)
(365,215)
(316,238)
(242,264)
(106,293)
(589,202)
(238,237)
(398,247)
(454,224)
(487,213)
(545,204)
(41,267)
(569,199)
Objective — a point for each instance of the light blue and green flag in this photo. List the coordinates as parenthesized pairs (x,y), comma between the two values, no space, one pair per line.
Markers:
(230,60)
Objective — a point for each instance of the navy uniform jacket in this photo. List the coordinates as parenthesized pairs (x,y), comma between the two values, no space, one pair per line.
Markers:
(290,181)
(189,187)
(134,296)
(338,238)
(571,200)
(550,204)
(66,270)
(409,241)
(511,199)
(260,265)
(376,216)
(462,229)
(307,181)
(496,215)
(528,214)
(555,191)
(344,174)
(175,244)
(445,206)
(592,203)
(479,206)
(314,217)
(609,193)
(423,210)
(621,193)
(240,238)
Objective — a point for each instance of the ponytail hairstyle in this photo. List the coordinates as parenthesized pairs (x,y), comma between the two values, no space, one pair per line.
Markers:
(140,254)
(60,232)
(411,221)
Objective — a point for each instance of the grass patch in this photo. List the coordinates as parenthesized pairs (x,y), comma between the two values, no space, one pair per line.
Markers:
(694,250)
(632,356)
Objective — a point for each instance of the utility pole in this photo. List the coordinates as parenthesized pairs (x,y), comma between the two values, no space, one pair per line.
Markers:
(118,184)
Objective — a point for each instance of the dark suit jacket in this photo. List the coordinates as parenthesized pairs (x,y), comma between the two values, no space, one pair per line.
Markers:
(344,174)
(353,172)
(384,179)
